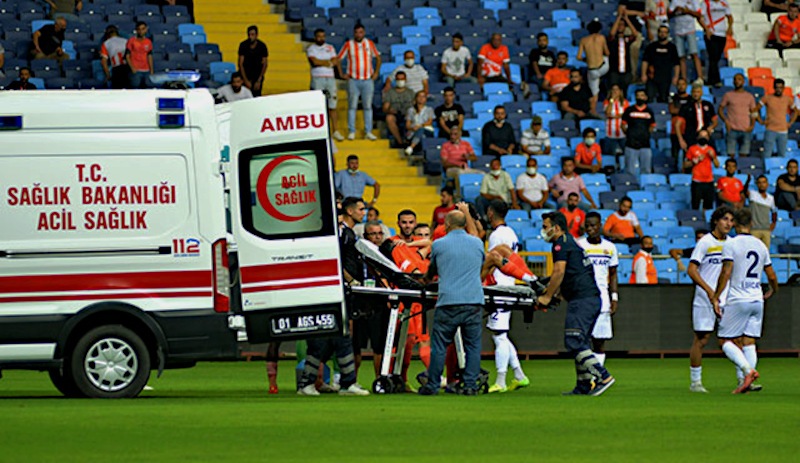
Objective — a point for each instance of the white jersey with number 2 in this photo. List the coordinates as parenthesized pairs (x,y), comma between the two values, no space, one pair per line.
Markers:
(749,256)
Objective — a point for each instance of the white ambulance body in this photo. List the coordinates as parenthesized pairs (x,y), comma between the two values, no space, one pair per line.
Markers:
(113,252)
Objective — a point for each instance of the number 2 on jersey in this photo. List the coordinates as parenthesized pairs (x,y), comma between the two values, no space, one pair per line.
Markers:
(750,272)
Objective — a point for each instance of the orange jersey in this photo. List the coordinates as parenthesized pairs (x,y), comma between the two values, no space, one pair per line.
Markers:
(574,220)
(652,273)
(702,171)
(409,260)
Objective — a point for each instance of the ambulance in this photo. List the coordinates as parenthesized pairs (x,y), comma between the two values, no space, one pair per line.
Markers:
(122,254)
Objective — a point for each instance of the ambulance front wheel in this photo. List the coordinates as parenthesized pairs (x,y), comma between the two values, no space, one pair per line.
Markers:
(109,361)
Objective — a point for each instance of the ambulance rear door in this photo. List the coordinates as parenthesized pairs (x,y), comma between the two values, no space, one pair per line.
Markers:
(283,217)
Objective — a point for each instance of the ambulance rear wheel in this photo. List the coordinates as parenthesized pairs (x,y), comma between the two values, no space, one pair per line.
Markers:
(109,362)
(63,383)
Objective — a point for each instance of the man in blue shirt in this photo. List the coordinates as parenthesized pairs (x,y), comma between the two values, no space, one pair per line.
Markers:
(351,182)
(457,259)
(573,274)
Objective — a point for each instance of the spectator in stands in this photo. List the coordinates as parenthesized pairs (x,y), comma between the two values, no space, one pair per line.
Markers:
(532,190)
(785,30)
(686,253)
(360,76)
(575,101)
(623,225)
(593,49)
(112,55)
(557,78)
(416,75)
(575,215)
(457,62)
(456,154)
(660,66)
(540,60)
(22,81)
(765,213)
(638,121)
(699,158)
(396,103)
(67,9)
(535,140)
(419,121)
(493,61)
(676,102)
(788,191)
(635,11)
(497,136)
(775,6)
(351,182)
(620,71)
(644,270)
(718,25)
(253,61)
(449,114)
(656,13)
(778,106)
(566,182)
(615,107)
(588,155)
(497,184)
(448,204)
(685,16)
(730,190)
(139,56)
(374,216)
(235,90)
(48,39)
(323,58)
(738,111)
(695,116)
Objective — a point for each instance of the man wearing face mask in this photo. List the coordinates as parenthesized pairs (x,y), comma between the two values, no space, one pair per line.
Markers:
(575,101)
(497,136)
(541,59)
(322,57)
(660,66)
(395,106)
(644,270)
(588,155)
(532,189)
(696,115)
(416,75)
(574,215)
(573,275)
(351,182)
(497,184)
(699,158)
(638,122)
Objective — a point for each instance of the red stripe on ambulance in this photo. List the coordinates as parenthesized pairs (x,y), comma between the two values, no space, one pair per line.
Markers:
(290,271)
(106,281)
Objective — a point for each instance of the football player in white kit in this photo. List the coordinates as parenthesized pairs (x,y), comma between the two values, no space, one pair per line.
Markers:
(744,257)
(499,321)
(605,260)
(704,269)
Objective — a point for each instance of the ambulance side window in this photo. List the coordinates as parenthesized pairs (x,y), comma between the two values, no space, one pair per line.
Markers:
(286,190)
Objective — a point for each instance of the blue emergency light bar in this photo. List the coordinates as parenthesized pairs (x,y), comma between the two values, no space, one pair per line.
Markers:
(10,122)
(171,121)
(170,104)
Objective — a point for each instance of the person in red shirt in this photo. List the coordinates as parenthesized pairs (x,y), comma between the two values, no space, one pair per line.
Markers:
(447,205)
(699,158)
(493,60)
(139,55)
(574,215)
(644,270)
(730,190)
(588,154)
(786,30)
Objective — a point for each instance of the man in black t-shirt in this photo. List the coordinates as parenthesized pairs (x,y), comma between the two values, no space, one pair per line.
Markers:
(694,116)
(676,102)
(450,114)
(22,82)
(497,135)
(48,39)
(573,275)
(575,99)
(540,59)
(253,55)
(788,188)
(638,121)
(660,66)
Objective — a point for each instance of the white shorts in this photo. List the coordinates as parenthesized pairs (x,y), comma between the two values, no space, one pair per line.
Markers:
(703,318)
(499,320)
(602,327)
(327,85)
(741,318)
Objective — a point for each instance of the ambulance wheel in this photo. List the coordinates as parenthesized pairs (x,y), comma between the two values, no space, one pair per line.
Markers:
(398,386)
(382,385)
(109,361)
(63,383)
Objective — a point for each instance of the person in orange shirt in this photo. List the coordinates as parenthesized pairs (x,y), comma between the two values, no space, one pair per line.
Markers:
(587,152)
(493,60)
(644,270)
(730,190)
(574,215)
(623,226)
(786,30)
(699,158)
(557,78)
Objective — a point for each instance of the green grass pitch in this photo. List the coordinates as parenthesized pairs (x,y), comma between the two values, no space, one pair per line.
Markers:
(220,412)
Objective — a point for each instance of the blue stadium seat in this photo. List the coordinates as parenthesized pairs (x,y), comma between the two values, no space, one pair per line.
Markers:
(642,196)
(653,179)
(190,29)
(513,160)
(594,179)
(562,128)
(544,107)
(38,82)
(680,179)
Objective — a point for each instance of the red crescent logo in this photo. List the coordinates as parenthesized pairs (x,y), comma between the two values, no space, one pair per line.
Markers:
(263,194)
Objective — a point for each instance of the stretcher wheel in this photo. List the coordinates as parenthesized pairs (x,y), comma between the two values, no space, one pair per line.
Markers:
(383,385)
